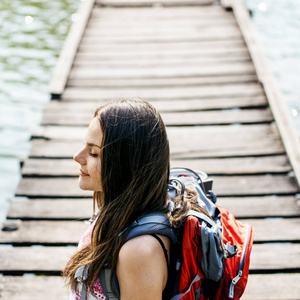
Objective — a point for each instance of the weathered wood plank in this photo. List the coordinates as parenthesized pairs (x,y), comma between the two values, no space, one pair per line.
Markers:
(70,209)
(69,232)
(237,51)
(80,94)
(185,142)
(275,257)
(143,3)
(38,259)
(272,287)
(264,257)
(164,105)
(223,186)
(160,72)
(218,117)
(166,26)
(259,287)
(219,166)
(159,82)
(64,209)
(162,47)
(282,115)
(67,55)
(231,33)
(187,133)
(158,62)
(33,288)
(43,232)
(159,12)
(96,29)
(272,206)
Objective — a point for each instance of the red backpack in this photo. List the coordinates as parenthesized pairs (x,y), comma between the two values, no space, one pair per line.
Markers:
(210,253)
(215,252)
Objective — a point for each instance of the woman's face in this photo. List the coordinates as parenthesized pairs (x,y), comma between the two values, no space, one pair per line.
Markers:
(89,158)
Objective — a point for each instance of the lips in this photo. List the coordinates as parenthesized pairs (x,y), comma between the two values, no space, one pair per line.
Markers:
(81,173)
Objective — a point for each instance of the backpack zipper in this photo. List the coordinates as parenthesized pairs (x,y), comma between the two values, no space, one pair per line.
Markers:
(241,265)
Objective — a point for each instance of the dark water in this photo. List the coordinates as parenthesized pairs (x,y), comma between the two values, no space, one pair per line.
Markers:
(31,37)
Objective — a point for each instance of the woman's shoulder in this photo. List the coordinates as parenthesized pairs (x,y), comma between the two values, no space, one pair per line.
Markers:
(142,267)
(142,247)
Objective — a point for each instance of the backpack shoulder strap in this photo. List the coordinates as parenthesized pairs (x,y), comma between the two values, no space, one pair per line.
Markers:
(149,224)
(152,223)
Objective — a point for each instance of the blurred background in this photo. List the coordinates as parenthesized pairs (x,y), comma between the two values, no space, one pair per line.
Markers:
(32,34)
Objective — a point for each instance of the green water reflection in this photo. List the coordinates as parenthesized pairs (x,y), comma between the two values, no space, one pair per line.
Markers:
(31,36)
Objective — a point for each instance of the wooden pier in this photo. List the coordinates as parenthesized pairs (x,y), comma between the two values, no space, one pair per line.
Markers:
(198,62)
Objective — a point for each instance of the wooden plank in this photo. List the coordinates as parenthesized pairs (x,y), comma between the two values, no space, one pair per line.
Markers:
(275,257)
(160,72)
(72,209)
(47,209)
(217,117)
(189,92)
(67,55)
(192,30)
(272,287)
(159,82)
(240,165)
(163,24)
(143,3)
(264,257)
(223,186)
(158,12)
(189,137)
(270,206)
(164,105)
(158,62)
(216,166)
(69,232)
(95,38)
(275,230)
(259,287)
(153,53)
(38,259)
(43,232)
(162,47)
(184,142)
(282,115)
(33,288)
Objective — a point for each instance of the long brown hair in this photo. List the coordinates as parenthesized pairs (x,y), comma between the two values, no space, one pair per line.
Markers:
(134,172)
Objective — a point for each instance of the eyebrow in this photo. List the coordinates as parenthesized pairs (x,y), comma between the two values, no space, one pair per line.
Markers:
(93,145)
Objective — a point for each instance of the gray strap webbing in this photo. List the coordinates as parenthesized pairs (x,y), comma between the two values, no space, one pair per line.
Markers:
(104,277)
(81,276)
(155,218)
(201,216)
(152,223)
(179,296)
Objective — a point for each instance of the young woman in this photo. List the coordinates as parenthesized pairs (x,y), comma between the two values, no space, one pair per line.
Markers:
(125,161)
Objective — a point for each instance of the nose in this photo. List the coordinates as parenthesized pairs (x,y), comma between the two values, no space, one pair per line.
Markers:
(80,157)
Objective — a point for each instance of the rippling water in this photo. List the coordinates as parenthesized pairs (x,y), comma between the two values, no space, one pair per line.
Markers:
(32,34)
(278,25)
